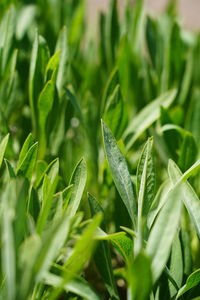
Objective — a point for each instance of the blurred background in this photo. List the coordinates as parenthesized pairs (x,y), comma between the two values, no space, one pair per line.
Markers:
(189,10)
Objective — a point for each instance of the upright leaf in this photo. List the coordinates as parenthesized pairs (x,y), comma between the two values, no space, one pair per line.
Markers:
(111,83)
(62,46)
(39,59)
(145,189)
(139,277)
(26,146)
(8,253)
(176,265)
(146,179)
(7,30)
(48,190)
(78,180)
(45,104)
(194,116)
(3,146)
(119,170)
(115,114)
(111,32)
(102,255)
(81,253)
(28,163)
(163,232)
(188,152)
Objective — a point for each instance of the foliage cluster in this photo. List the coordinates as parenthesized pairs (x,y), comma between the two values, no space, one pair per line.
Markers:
(124,221)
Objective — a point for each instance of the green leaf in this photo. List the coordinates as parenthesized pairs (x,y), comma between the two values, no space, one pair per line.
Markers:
(166,27)
(102,255)
(129,231)
(30,247)
(39,59)
(84,247)
(187,78)
(192,281)
(119,170)
(7,32)
(111,83)
(191,171)
(78,180)
(145,189)
(8,250)
(28,163)
(111,32)
(194,116)
(81,253)
(158,202)
(45,104)
(26,146)
(62,46)
(48,190)
(171,137)
(115,114)
(33,205)
(43,169)
(43,254)
(25,19)
(77,25)
(137,26)
(188,152)
(176,265)
(96,208)
(77,286)
(147,116)
(32,79)
(146,180)
(139,277)
(52,244)
(52,66)
(120,241)
(20,221)
(10,169)
(189,197)
(75,103)
(152,43)
(163,232)
(187,250)
(66,195)
(3,146)
(40,170)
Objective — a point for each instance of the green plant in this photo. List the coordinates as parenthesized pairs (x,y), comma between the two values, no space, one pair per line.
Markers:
(95,209)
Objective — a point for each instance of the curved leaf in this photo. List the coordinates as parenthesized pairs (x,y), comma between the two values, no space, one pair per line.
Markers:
(147,116)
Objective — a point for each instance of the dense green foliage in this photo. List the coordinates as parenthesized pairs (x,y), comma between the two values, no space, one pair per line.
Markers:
(93,209)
